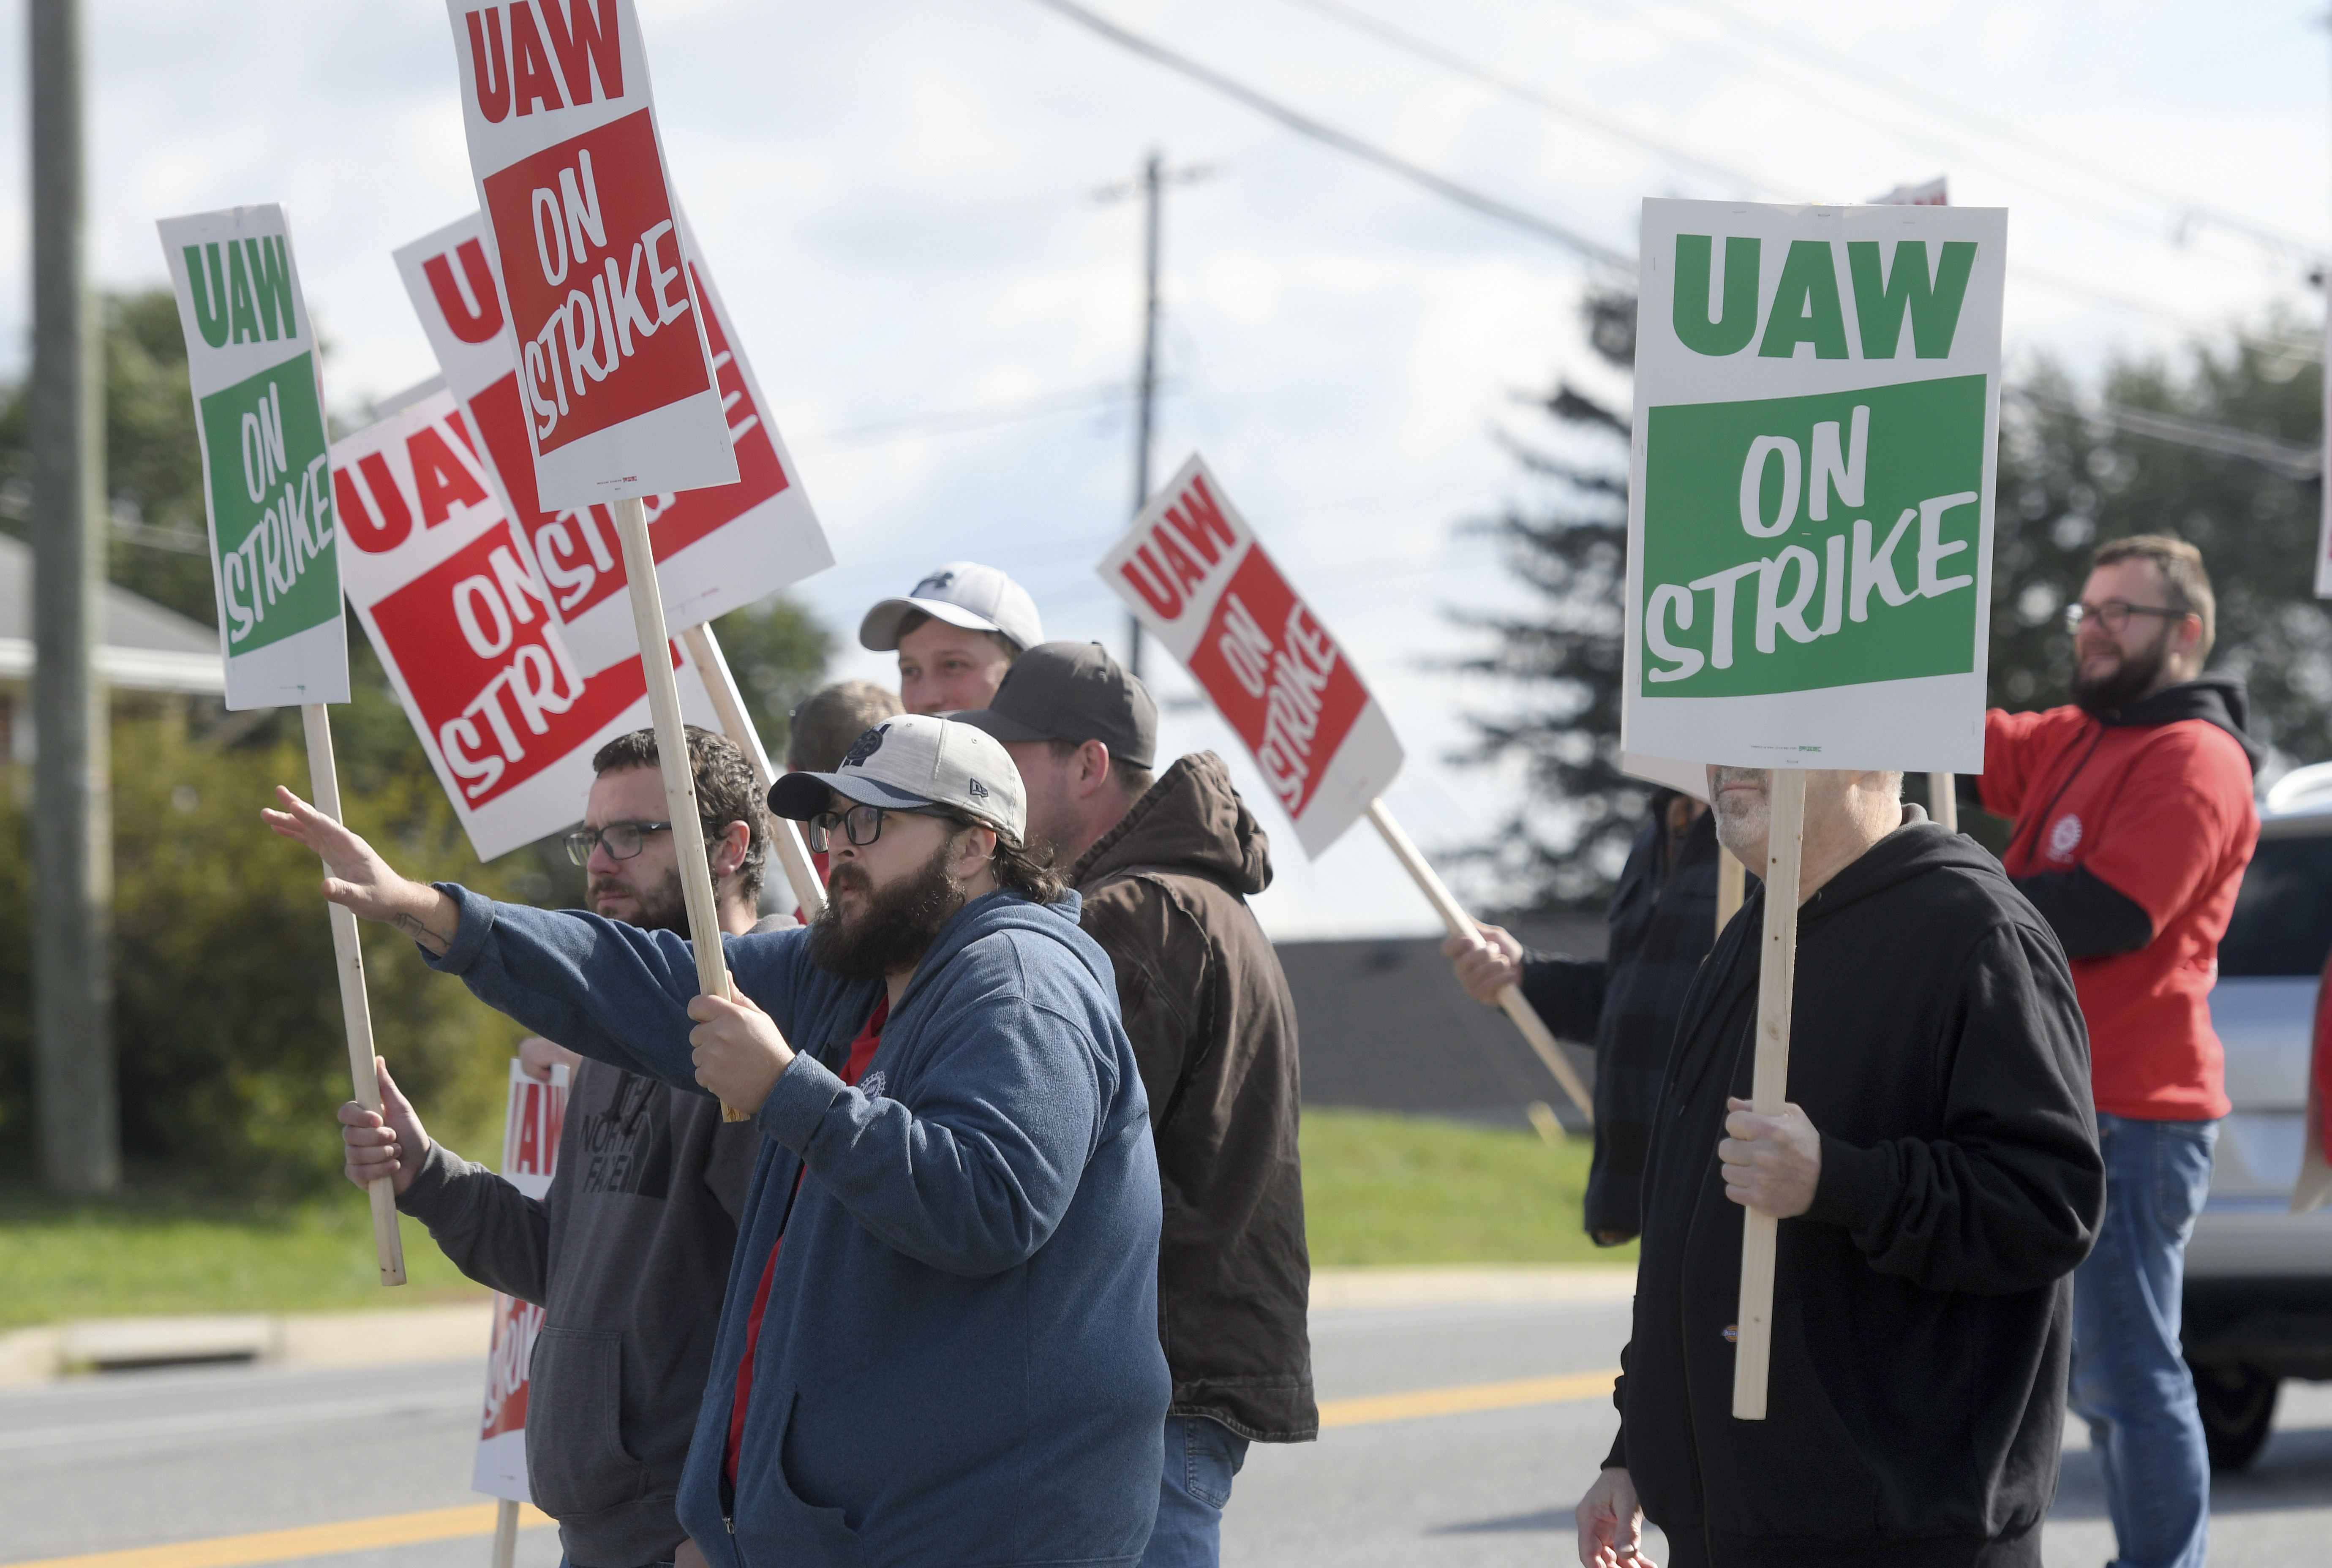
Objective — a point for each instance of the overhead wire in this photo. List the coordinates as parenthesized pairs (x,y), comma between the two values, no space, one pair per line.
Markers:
(1303,124)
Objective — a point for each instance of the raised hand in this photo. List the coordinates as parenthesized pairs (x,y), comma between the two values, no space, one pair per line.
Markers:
(1488,967)
(360,880)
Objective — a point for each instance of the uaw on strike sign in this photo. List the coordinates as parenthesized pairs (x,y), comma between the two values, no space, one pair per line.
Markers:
(614,369)
(251,354)
(1191,570)
(537,1110)
(447,590)
(1810,507)
(716,548)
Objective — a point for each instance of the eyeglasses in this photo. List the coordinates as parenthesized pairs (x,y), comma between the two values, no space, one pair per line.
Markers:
(2114,613)
(623,841)
(862,825)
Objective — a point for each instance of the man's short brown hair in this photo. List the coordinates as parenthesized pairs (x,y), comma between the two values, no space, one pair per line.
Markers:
(1131,782)
(2181,566)
(725,791)
(831,718)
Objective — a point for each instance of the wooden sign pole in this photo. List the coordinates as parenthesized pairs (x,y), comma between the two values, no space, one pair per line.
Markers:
(356,1011)
(801,874)
(1944,800)
(1461,926)
(1732,887)
(506,1534)
(1769,1088)
(672,755)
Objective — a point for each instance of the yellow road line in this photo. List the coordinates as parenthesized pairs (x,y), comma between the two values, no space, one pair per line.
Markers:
(1468,1396)
(478,1519)
(308,1541)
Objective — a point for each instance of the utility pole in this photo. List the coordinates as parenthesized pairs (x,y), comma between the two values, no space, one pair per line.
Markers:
(77,1114)
(1150,185)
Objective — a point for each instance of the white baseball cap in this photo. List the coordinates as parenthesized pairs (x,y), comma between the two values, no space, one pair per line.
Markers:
(915,761)
(962,593)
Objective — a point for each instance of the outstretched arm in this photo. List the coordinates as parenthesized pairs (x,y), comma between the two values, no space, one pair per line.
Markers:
(360,880)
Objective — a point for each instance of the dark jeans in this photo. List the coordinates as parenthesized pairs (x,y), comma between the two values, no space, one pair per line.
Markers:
(1201,1457)
(2129,1381)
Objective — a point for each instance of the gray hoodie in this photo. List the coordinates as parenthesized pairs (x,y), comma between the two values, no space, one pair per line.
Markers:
(628,1257)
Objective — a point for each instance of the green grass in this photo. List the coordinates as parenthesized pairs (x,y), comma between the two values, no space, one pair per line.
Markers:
(1384,1189)
(147,1253)
(1407,1190)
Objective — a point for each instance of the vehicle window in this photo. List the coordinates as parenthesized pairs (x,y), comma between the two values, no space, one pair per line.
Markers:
(2283,916)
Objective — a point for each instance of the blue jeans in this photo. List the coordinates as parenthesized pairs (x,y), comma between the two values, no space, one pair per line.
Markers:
(1201,1457)
(2129,1381)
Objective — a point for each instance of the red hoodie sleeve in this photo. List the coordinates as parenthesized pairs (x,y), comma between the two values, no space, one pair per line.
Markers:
(2185,802)
(2017,750)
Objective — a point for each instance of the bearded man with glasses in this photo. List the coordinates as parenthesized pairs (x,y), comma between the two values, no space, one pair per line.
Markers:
(2134,823)
(940,1340)
(629,1250)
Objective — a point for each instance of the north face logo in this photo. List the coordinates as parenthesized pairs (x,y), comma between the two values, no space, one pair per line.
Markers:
(865,746)
(933,583)
(975,788)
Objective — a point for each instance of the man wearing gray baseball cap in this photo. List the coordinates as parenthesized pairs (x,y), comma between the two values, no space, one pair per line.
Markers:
(1164,867)
(957,631)
(939,1339)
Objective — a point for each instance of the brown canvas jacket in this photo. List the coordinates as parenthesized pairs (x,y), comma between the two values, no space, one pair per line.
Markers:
(1214,1029)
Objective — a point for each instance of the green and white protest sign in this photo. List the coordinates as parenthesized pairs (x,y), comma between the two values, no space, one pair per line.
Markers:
(267,485)
(250,355)
(1810,513)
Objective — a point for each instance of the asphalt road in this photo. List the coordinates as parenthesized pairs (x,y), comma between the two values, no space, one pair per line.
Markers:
(150,1460)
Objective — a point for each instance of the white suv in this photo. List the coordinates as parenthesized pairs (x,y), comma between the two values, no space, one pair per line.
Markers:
(2259,1278)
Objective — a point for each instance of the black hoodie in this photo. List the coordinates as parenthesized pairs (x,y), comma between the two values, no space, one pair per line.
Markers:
(1923,1309)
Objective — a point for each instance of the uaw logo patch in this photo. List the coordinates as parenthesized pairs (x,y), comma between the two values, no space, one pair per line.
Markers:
(2065,837)
(864,747)
(872,1084)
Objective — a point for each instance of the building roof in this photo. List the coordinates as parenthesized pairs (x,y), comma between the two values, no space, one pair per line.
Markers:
(142,645)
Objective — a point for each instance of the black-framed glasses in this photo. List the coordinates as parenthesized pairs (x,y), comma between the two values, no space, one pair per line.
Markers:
(862,825)
(623,841)
(2114,613)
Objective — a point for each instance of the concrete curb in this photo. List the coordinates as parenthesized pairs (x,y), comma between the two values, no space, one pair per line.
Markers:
(1468,1285)
(319,1339)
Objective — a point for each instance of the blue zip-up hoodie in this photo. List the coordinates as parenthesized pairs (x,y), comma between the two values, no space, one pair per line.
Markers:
(958,1362)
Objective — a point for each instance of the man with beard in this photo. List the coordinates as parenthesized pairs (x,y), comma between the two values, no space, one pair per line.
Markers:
(940,1343)
(629,1250)
(1937,1178)
(2134,822)
(1164,868)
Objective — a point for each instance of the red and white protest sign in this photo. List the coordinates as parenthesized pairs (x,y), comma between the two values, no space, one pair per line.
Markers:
(717,550)
(447,592)
(1191,570)
(615,368)
(529,1158)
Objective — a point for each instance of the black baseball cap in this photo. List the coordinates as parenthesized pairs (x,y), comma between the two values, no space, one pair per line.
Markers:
(1073,692)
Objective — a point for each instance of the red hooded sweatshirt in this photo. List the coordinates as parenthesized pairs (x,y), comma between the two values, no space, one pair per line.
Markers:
(2132,832)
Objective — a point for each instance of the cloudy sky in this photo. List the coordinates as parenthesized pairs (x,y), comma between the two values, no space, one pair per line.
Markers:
(900,200)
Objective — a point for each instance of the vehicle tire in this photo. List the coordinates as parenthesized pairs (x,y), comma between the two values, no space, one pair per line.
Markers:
(2238,1404)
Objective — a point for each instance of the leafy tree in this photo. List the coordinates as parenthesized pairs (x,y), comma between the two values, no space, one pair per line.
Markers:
(2069,484)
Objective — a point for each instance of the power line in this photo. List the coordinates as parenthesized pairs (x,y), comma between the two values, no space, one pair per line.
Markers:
(1305,125)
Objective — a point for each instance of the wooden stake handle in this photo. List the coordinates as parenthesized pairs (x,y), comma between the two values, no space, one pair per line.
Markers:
(1769,1088)
(1461,924)
(506,1535)
(1943,797)
(672,757)
(793,855)
(356,1012)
